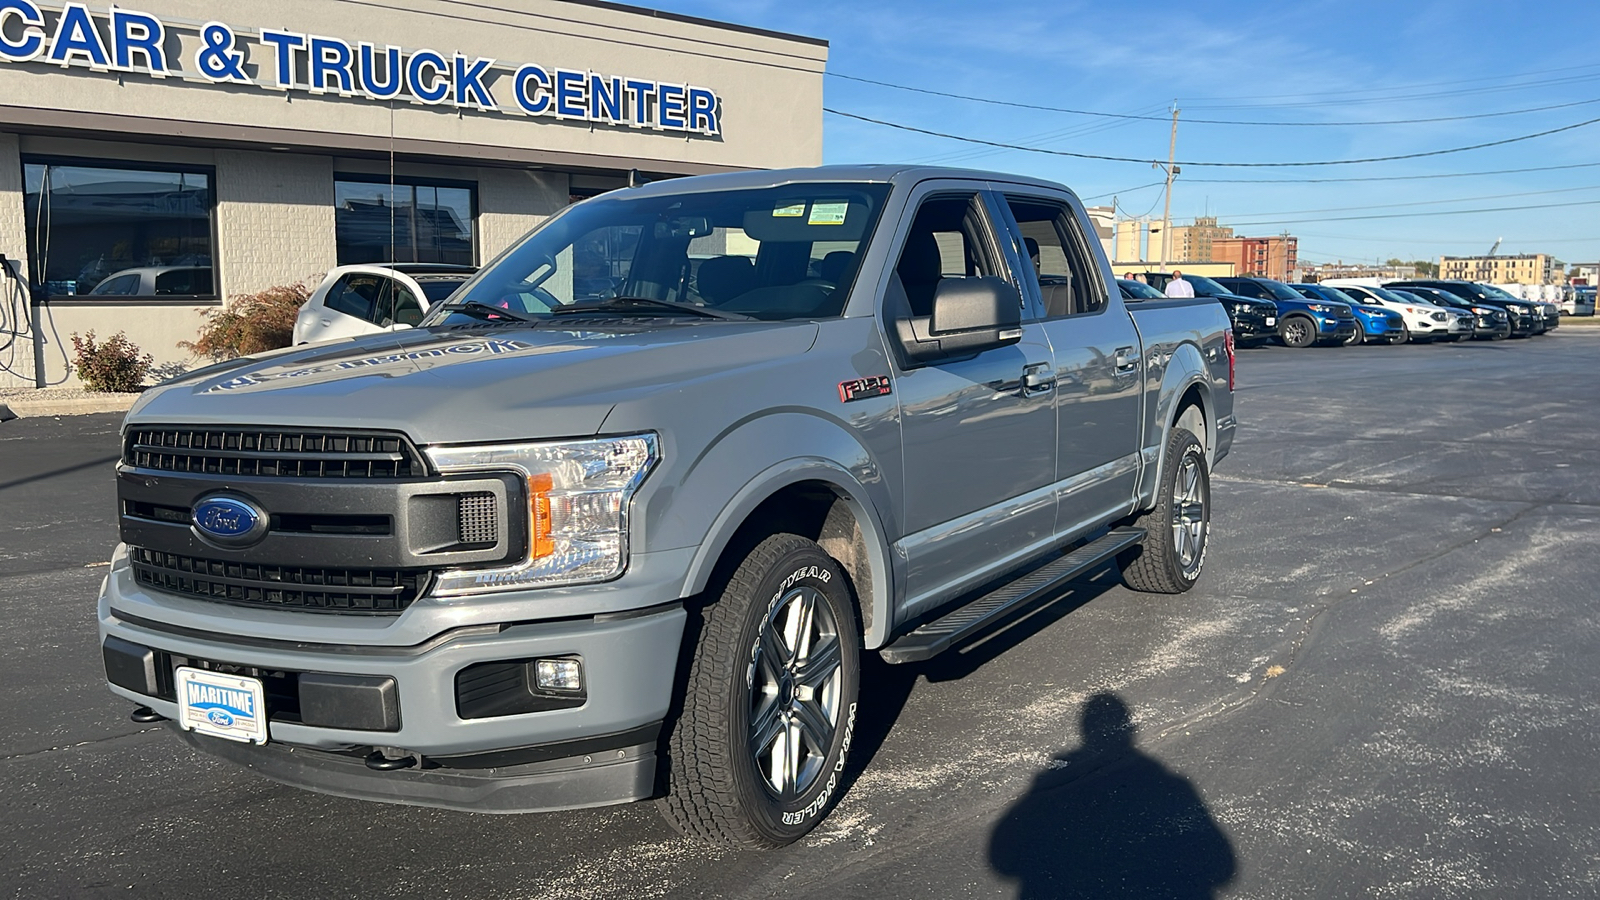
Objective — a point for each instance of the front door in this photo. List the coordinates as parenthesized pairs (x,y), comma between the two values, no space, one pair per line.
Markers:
(979,433)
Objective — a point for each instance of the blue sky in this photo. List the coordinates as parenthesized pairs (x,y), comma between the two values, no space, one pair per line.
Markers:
(1349,61)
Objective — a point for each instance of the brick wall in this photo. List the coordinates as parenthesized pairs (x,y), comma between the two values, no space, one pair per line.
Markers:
(274,219)
(16,353)
(511,201)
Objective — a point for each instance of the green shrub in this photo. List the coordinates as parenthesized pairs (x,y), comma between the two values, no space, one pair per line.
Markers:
(252,323)
(116,365)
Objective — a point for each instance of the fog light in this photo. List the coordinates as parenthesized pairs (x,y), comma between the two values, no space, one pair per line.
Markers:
(559,674)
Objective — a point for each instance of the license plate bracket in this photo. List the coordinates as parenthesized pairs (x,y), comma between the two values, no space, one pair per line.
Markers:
(231,707)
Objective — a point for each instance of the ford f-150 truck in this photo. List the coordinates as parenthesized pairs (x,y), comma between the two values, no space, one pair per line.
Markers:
(620,518)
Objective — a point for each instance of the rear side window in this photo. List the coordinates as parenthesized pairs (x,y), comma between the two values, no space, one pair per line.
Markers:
(1060,261)
(357,295)
(184,281)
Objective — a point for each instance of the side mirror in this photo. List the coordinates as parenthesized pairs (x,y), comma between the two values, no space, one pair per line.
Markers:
(970,315)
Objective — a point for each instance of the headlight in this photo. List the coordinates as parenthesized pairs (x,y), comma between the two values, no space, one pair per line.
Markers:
(1320,307)
(1483,310)
(578,498)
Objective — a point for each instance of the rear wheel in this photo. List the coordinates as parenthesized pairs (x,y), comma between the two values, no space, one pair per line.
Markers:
(756,756)
(1174,550)
(1298,332)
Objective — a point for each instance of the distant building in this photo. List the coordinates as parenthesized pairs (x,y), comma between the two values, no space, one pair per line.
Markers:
(1326,271)
(1194,242)
(1274,257)
(1129,241)
(1525,268)
(1104,219)
(1585,273)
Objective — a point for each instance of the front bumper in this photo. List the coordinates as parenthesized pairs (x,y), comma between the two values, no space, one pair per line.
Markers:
(628,658)
(1249,325)
(1486,327)
(1334,329)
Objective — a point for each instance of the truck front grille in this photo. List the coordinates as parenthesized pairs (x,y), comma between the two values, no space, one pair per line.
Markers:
(358,591)
(286,453)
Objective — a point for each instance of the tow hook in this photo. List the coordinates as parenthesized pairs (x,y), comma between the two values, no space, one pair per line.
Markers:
(379,761)
(144,715)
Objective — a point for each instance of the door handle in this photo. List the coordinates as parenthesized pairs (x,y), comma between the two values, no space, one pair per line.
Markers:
(1125,361)
(1037,379)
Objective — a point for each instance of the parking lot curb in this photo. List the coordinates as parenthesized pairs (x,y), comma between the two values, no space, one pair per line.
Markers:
(26,408)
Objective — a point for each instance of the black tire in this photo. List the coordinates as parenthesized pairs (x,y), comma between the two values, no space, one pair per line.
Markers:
(1297,332)
(1359,337)
(1402,337)
(717,791)
(1166,563)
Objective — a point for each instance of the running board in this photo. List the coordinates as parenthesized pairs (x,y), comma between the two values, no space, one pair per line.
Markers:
(933,638)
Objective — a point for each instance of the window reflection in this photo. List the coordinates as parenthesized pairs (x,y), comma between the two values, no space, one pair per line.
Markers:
(423,223)
(118,232)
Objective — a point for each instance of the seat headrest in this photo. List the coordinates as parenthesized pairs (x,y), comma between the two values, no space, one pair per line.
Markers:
(722,278)
(834,266)
(920,262)
(1033,247)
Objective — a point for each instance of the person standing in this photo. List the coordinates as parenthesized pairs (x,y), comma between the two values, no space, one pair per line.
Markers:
(1177,287)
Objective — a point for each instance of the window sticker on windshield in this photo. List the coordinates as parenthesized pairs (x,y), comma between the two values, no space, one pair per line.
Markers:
(793,211)
(828,213)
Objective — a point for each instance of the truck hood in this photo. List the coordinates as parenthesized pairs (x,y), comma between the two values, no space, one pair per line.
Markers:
(467,384)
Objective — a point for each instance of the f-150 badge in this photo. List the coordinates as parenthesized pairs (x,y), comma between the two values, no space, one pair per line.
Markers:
(863,388)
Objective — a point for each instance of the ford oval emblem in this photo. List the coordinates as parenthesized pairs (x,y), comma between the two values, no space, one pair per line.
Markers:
(230,521)
(220,717)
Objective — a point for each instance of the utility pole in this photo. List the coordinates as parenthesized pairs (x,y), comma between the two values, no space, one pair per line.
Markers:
(1172,170)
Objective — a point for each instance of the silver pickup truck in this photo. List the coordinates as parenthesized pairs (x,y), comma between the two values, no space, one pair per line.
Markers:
(619,519)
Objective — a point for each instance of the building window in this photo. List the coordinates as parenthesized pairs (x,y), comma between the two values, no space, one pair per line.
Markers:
(406,221)
(117,232)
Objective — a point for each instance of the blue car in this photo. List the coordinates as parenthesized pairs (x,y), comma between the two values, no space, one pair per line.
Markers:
(1373,323)
(1301,321)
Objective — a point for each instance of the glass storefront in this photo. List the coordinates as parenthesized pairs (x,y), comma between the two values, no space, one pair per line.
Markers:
(409,221)
(103,230)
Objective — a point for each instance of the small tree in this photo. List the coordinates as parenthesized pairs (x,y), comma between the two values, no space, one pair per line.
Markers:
(253,323)
(116,365)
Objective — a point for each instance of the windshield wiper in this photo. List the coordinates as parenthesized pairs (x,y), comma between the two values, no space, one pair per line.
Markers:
(645,305)
(485,311)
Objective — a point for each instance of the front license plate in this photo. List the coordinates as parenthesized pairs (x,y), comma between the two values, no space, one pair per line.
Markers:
(1272,320)
(225,706)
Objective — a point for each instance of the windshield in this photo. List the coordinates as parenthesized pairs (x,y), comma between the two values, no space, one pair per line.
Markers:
(1490,290)
(1390,296)
(1204,286)
(1138,290)
(788,252)
(1279,289)
(438,288)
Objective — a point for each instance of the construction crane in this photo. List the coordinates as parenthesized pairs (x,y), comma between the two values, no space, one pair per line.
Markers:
(1496,245)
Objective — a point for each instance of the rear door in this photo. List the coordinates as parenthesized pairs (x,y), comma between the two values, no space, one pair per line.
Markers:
(978,433)
(1098,371)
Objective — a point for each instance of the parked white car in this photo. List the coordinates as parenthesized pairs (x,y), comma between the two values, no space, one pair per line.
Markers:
(367,299)
(155,281)
(1425,321)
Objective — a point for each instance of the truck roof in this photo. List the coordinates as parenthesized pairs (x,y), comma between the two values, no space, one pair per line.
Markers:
(881,174)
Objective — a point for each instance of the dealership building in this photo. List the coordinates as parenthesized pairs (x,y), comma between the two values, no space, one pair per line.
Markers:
(159,159)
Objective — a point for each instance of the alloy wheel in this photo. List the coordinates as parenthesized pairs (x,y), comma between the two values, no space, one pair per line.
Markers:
(796,678)
(1189,516)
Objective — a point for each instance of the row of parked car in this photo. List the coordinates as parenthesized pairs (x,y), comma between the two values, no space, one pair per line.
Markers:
(1345,311)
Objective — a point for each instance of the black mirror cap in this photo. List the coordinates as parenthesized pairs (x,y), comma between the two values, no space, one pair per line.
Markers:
(974,304)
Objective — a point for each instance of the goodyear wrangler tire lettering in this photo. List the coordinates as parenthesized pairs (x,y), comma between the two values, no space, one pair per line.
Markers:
(757,756)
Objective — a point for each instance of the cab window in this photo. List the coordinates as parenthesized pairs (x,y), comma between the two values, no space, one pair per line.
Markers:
(948,239)
(1054,249)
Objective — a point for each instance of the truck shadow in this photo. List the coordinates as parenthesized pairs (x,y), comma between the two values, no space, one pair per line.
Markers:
(885,688)
(1106,820)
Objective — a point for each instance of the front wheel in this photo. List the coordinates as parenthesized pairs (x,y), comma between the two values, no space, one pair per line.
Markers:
(1174,549)
(756,757)
(1359,336)
(1298,332)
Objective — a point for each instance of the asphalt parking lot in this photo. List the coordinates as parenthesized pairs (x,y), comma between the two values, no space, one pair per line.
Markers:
(1384,686)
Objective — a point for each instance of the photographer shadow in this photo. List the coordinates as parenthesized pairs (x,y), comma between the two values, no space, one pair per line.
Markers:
(1108,821)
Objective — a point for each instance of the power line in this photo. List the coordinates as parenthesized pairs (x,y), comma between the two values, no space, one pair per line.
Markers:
(1124,191)
(1442,212)
(1383,177)
(1297,212)
(1234,165)
(1144,118)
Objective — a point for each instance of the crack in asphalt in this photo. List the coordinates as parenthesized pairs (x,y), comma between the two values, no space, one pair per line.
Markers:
(100,740)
